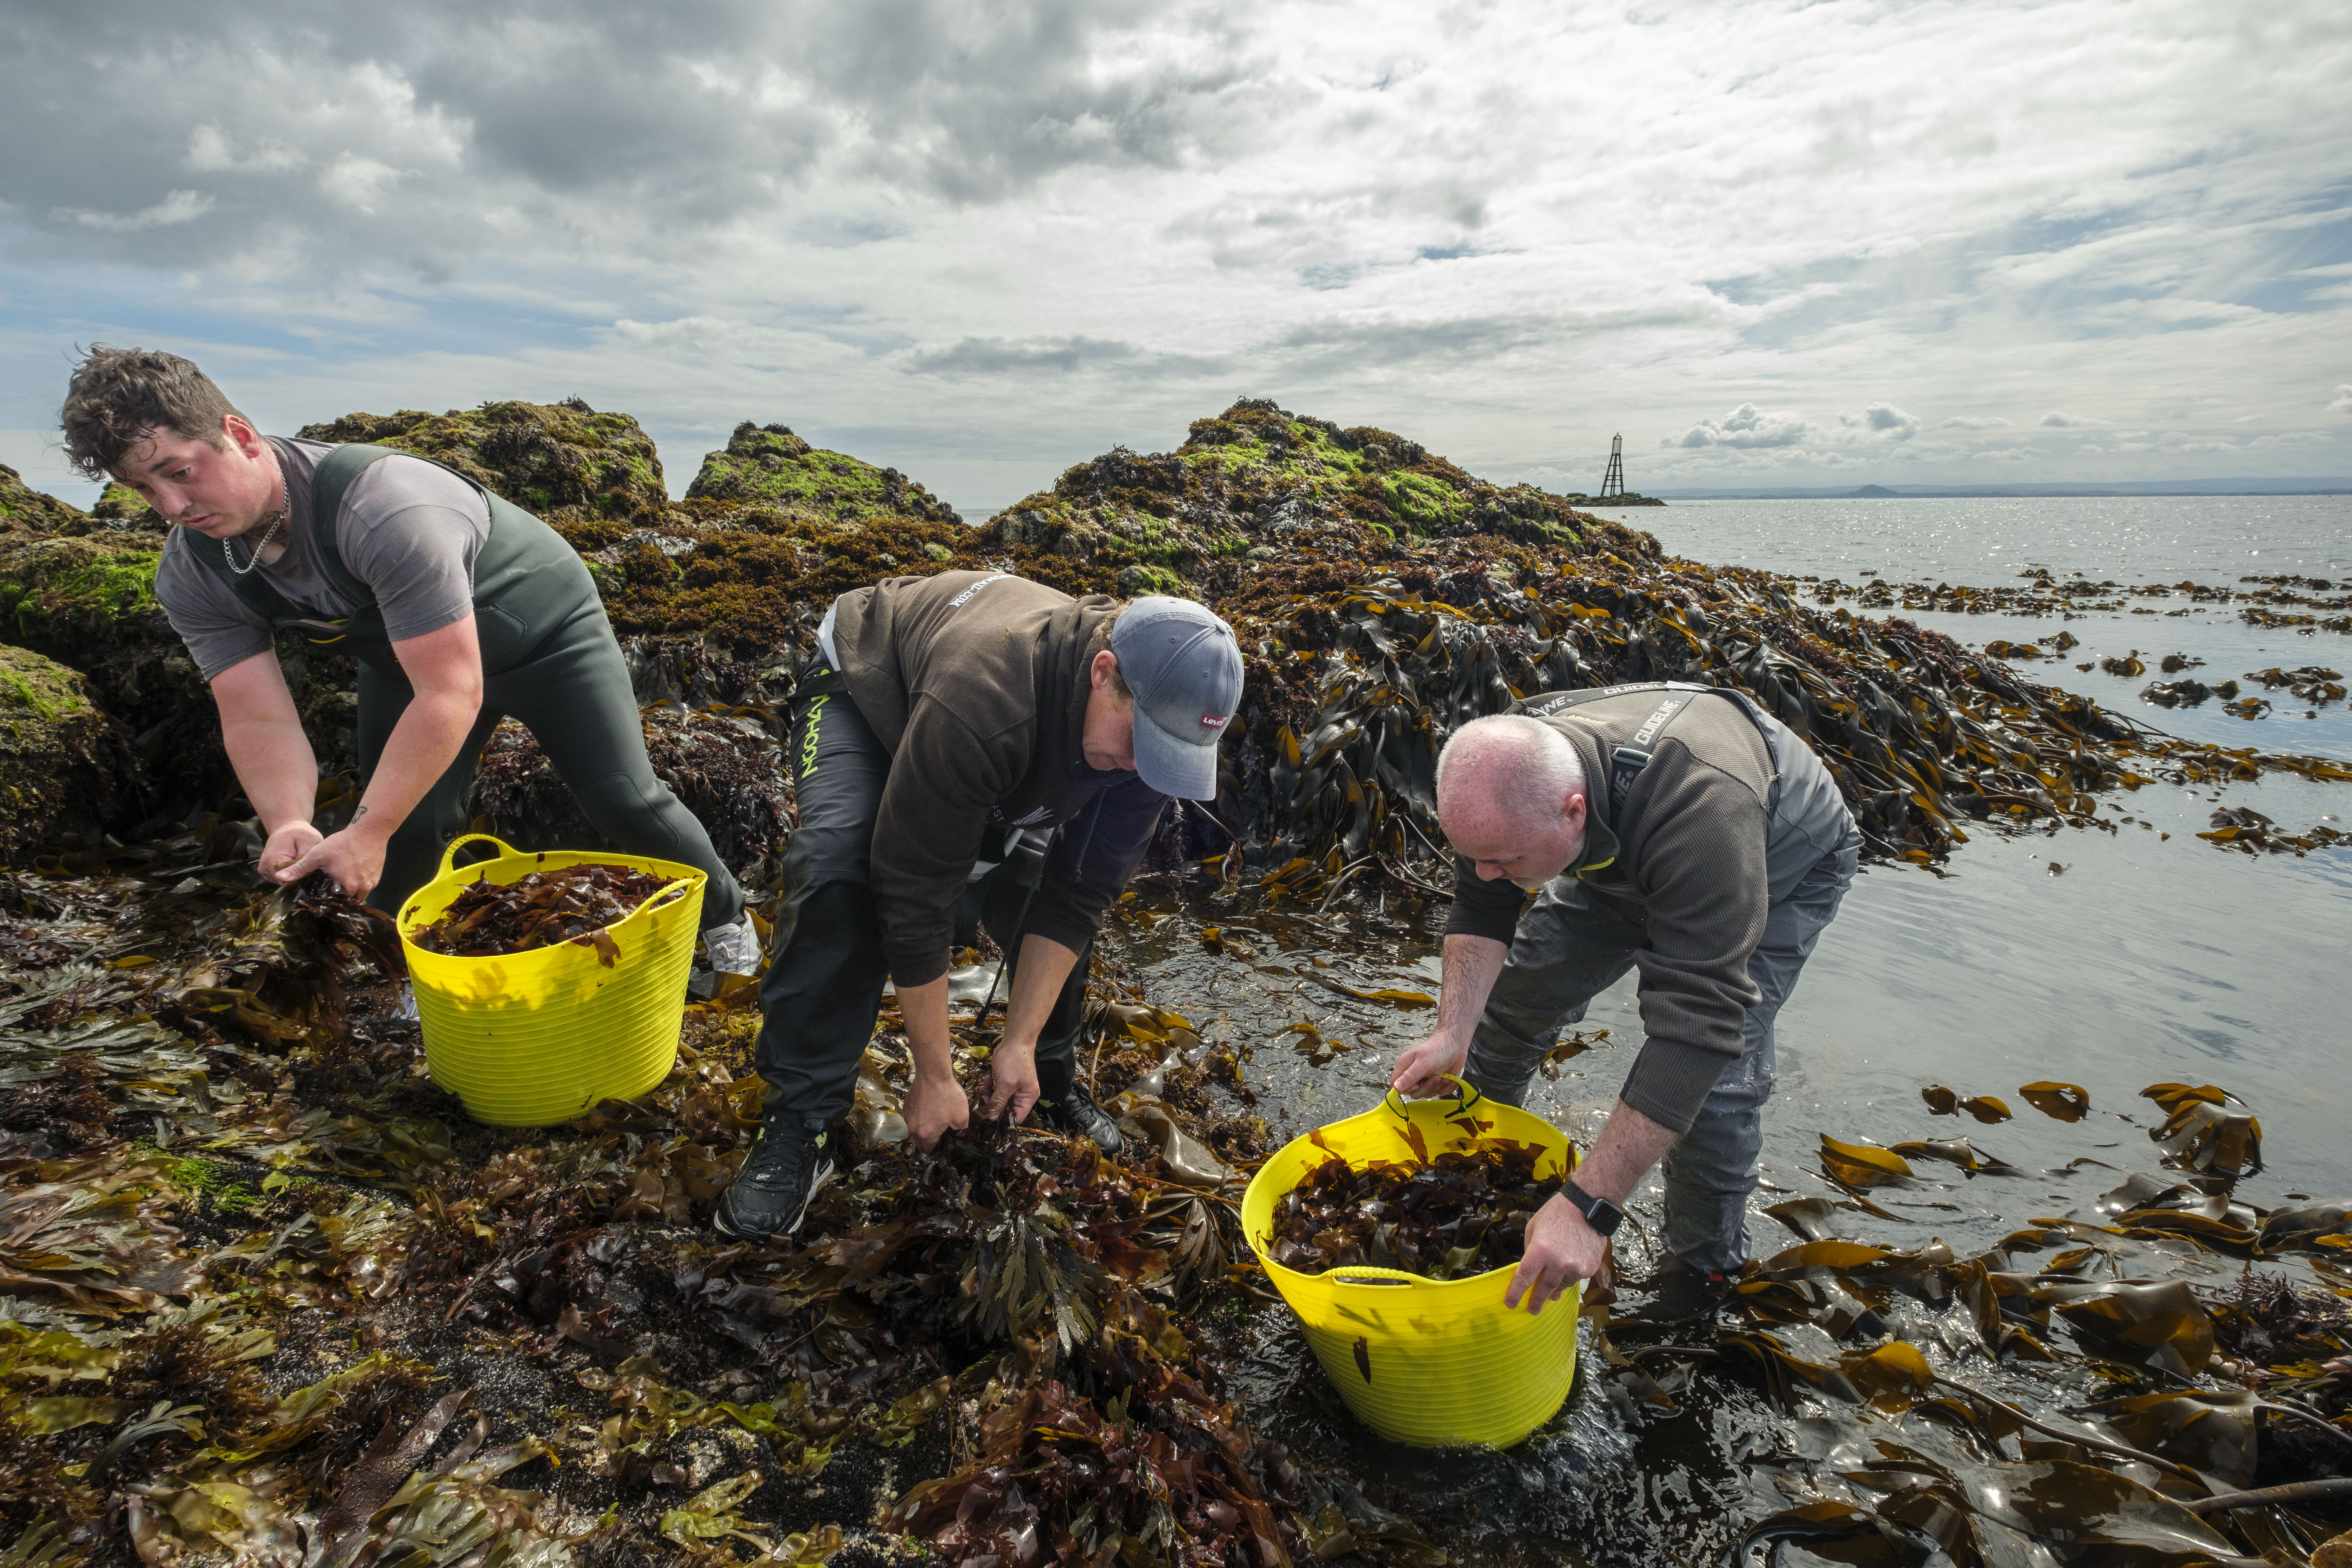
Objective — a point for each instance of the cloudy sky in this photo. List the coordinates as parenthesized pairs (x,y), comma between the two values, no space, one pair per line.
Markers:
(1772,243)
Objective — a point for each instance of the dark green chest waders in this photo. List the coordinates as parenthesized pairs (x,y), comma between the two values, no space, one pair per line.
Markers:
(549,660)
(526,580)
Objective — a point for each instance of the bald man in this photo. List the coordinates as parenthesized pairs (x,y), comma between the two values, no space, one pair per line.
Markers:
(1676,829)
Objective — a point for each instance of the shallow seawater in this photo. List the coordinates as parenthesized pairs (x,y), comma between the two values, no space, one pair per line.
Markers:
(2111,959)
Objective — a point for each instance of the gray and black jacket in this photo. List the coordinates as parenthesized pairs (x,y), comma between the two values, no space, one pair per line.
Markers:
(1728,815)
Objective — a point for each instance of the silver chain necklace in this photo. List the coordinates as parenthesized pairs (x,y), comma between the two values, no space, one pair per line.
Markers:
(274,519)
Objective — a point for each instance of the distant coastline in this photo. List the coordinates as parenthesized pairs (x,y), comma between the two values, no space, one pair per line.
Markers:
(2302,486)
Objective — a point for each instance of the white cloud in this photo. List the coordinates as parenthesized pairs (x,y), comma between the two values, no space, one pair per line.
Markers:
(358,181)
(982,240)
(2069,421)
(1745,426)
(211,152)
(1883,419)
(179,208)
(2342,402)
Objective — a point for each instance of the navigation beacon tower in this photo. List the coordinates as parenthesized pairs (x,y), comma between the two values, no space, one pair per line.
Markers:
(1612,483)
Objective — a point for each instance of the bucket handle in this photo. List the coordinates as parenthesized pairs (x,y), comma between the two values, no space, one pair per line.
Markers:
(1465,1097)
(449,855)
(1366,1273)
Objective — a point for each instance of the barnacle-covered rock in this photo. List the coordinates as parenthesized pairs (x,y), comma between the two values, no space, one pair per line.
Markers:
(558,460)
(65,765)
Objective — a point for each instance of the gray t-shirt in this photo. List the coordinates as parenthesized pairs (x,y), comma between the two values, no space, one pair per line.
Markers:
(408,528)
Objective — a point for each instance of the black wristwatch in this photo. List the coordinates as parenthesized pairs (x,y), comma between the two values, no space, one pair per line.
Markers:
(1599,1212)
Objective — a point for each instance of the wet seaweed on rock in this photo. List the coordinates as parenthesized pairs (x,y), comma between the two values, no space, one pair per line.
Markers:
(720,760)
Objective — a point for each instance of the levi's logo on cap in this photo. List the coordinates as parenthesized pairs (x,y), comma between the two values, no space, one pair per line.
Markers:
(1211,722)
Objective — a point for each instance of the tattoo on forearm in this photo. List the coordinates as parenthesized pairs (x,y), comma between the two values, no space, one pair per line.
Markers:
(360,813)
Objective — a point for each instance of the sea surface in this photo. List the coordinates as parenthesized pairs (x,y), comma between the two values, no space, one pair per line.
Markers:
(2147,959)
(2110,960)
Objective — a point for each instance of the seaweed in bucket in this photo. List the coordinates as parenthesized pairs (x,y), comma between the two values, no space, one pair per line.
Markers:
(1448,1217)
(572,903)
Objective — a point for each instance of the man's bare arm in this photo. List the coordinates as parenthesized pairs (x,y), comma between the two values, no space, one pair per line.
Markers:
(445,670)
(1471,967)
(936,1102)
(1562,1249)
(263,735)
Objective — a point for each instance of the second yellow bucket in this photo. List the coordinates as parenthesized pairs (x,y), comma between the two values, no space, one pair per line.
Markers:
(1432,1363)
(537,1037)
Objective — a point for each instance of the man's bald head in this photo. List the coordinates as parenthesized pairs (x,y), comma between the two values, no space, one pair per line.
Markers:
(1511,797)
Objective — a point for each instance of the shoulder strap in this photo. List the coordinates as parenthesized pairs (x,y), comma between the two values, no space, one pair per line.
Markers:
(329,480)
(251,588)
(1626,762)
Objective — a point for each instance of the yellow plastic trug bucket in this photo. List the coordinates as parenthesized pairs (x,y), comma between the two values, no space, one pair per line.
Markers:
(541,1037)
(1448,1363)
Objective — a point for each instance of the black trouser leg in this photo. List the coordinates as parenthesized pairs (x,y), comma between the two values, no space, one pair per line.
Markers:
(824,985)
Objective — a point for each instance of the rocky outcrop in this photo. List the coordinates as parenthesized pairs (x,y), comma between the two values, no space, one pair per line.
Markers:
(1258,483)
(766,469)
(562,460)
(64,766)
(80,588)
(23,510)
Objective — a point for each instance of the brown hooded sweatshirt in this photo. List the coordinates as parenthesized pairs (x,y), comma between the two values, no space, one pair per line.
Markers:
(977,683)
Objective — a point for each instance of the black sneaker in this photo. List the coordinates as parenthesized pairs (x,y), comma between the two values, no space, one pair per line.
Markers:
(1074,1110)
(769,1195)
(1681,1294)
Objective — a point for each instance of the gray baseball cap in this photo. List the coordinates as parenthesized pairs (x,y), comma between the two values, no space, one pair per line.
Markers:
(1185,670)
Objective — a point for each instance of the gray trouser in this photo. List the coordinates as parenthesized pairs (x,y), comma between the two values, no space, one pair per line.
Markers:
(1569,948)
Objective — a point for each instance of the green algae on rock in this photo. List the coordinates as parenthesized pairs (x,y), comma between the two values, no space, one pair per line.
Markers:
(121,506)
(560,459)
(65,765)
(1260,483)
(23,510)
(767,467)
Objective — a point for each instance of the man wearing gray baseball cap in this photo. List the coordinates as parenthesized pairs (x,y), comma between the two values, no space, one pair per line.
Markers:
(969,749)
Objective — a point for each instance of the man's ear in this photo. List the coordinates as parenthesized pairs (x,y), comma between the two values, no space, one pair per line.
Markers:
(1100,668)
(242,436)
